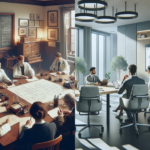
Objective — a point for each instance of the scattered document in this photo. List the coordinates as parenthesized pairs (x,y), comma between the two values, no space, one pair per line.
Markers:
(13,118)
(54,74)
(10,86)
(23,123)
(54,112)
(33,79)
(3,109)
(129,147)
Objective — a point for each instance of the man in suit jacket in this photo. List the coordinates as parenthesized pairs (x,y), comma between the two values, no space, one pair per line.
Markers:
(128,84)
(92,78)
(66,123)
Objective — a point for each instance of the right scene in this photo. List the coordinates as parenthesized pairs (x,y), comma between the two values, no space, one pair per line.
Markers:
(112,67)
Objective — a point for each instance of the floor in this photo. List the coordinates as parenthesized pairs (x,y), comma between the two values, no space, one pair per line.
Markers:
(111,135)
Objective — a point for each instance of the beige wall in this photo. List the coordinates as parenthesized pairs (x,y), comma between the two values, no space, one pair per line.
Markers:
(141,58)
(21,11)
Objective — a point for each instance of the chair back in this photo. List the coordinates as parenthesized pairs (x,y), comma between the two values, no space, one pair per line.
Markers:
(54,143)
(89,93)
(139,97)
(146,79)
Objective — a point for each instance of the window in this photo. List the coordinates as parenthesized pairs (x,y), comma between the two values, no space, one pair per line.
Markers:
(98,46)
(70,34)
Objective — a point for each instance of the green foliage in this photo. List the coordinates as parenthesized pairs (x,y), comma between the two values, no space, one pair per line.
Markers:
(107,75)
(80,65)
(119,63)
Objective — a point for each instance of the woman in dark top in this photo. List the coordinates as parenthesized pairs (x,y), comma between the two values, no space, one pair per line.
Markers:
(41,131)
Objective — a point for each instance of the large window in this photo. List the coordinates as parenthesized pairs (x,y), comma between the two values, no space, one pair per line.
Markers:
(70,34)
(98,46)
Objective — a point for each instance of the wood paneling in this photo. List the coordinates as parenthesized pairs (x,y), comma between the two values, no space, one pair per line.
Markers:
(41,2)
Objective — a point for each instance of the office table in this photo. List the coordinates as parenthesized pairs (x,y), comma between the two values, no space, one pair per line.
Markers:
(103,90)
(9,140)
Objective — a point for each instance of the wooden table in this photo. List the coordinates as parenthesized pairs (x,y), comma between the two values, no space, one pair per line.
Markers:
(107,89)
(8,140)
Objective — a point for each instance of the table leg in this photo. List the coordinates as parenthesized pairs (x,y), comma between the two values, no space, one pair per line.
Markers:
(108,108)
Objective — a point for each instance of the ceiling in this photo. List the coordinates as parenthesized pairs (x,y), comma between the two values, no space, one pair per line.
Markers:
(143,9)
(41,2)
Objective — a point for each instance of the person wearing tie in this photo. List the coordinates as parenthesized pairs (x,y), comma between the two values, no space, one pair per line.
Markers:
(92,78)
(61,65)
(22,69)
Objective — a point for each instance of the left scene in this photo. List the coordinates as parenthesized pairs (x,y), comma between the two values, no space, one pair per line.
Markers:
(37,75)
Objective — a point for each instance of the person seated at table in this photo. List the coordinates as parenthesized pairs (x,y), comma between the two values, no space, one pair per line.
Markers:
(61,65)
(72,77)
(5,128)
(66,123)
(4,78)
(92,78)
(127,85)
(41,131)
(22,69)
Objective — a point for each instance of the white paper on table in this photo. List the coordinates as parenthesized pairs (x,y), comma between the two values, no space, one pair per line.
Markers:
(2,109)
(10,86)
(13,118)
(129,147)
(33,79)
(54,112)
(54,74)
(23,123)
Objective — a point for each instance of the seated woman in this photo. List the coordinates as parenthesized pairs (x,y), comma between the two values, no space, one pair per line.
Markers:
(66,123)
(41,131)
(22,69)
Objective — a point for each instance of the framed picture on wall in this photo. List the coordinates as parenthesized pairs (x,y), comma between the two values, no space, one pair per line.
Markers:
(52,34)
(23,22)
(32,31)
(37,23)
(52,18)
(22,31)
(32,17)
(37,16)
(147,55)
(41,23)
(31,23)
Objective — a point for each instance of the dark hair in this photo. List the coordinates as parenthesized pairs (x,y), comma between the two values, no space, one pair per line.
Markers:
(38,110)
(132,69)
(69,98)
(92,68)
(58,54)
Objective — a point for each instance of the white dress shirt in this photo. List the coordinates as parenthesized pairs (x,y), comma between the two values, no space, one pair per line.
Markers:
(28,71)
(4,129)
(4,77)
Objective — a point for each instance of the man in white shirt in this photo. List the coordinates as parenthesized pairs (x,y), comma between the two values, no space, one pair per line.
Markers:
(61,65)
(4,78)
(92,78)
(22,69)
(5,128)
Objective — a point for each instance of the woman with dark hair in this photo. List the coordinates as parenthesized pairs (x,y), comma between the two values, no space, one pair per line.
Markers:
(41,131)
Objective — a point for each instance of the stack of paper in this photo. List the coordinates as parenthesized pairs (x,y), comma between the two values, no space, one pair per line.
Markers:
(54,112)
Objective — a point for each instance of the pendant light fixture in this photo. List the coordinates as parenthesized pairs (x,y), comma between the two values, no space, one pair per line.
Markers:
(90,4)
(106,19)
(85,17)
(127,14)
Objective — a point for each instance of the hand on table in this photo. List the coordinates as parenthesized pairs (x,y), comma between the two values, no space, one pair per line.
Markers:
(63,73)
(29,123)
(10,83)
(30,77)
(60,112)
(23,77)
(3,86)
(72,78)
(66,112)
(58,72)
(98,84)
(8,121)
(52,71)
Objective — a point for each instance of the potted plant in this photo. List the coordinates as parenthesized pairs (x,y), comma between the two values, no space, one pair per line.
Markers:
(80,66)
(119,64)
(107,75)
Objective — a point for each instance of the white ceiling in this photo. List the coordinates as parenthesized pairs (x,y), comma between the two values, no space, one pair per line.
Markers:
(143,9)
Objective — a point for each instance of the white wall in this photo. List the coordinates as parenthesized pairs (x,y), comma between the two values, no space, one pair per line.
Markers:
(55,7)
(21,11)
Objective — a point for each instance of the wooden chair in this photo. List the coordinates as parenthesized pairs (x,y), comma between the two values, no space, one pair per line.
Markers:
(54,143)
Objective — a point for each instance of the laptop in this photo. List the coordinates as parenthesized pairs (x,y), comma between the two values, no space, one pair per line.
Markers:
(116,85)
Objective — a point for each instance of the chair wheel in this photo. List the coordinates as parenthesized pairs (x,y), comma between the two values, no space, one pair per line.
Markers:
(102,129)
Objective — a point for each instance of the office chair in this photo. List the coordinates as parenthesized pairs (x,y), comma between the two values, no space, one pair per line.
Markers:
(146,79)
(138,100)
(88,103)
